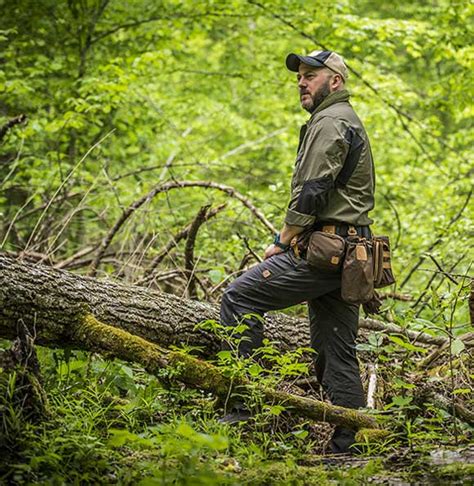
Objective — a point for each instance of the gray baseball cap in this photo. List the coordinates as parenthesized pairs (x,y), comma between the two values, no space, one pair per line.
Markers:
(329,59)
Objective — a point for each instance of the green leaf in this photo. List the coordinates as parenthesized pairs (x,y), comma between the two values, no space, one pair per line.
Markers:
(224,355)
(457,347)
(255,370)
(400,401)
(276,410)
(185,430)
(215,276)
(406,345)
(300,434)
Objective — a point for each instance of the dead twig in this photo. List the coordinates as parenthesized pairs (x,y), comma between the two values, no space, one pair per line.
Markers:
(430,360)
(428,285)
(438,239)
(5,128)
(250,250)
(396,296)
(73,258)
(440,268)
(372,386)
(63,183)
(230,191)
(189,250)
(172,243)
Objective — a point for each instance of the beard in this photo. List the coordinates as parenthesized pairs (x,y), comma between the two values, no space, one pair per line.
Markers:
(317,98)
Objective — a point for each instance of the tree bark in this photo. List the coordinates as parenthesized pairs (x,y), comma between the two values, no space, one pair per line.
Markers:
(56,307)
(48,301)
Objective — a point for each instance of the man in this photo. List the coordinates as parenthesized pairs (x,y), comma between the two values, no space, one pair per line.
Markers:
(332,190)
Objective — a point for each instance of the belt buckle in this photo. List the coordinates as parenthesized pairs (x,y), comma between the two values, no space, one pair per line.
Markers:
(352,231)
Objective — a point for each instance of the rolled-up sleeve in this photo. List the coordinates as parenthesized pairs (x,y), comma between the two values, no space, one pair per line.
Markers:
(319,162)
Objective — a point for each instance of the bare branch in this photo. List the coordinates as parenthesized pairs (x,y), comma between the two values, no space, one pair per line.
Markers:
(63,183)
(440,268)
(250,250)
(4,129)
(428,285)
(73,258)
(372,386)
(396,296)
(438,240)
(230,191)
(189,250)
(397,218)
(172,243)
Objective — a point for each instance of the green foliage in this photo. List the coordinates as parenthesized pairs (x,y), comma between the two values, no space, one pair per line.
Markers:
(113,422)
(122,96)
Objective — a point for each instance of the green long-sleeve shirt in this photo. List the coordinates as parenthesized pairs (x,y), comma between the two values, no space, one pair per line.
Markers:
(333,179)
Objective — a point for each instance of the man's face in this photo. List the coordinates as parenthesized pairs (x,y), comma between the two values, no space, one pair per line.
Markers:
(313,85)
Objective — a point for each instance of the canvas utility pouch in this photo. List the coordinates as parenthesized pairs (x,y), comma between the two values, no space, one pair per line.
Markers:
(383,274)
(357,283)
(325,251)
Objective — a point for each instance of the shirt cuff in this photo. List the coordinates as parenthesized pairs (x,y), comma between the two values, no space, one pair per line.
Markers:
(294,218)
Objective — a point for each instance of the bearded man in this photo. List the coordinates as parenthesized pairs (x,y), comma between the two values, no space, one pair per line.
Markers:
(332,190)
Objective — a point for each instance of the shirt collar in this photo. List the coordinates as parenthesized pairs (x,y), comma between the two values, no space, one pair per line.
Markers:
(331,99)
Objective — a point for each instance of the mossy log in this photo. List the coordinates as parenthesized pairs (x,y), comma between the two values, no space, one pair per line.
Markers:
(371,436)
(100,337)
(48,300)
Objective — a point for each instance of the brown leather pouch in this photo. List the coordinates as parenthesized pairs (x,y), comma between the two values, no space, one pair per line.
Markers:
(357,283)
(325,251)
(383,274)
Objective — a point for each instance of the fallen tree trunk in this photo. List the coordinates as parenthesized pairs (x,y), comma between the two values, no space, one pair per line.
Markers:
(48,300)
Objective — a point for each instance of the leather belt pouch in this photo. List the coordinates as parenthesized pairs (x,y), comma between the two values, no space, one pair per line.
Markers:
(357,282)
(383,274)
(325,251)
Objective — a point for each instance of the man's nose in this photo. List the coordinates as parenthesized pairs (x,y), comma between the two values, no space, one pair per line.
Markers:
(302,82)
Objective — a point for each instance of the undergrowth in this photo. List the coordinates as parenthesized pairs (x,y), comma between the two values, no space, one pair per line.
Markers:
(110,422)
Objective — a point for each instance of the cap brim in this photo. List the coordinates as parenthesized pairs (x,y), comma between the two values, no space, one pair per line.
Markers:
(293,62)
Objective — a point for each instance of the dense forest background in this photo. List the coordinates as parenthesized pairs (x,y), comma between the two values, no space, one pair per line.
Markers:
(126,126)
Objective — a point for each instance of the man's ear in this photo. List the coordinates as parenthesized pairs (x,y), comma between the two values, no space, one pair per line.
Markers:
(336,81)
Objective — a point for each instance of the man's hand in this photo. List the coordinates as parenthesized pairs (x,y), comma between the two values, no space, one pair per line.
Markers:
(272,250)
(286,235)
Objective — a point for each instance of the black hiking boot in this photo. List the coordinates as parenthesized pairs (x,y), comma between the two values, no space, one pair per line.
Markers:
(342,440)
(235,416)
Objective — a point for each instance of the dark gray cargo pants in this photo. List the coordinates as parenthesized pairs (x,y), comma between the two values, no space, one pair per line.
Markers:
(285,280)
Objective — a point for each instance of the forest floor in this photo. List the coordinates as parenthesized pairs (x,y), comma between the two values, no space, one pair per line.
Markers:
(108,422)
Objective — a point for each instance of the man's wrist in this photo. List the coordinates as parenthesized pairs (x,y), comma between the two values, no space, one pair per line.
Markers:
(280,244)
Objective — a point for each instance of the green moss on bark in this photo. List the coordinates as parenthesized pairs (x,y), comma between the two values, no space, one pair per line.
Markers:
(371,436)
(97,336)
